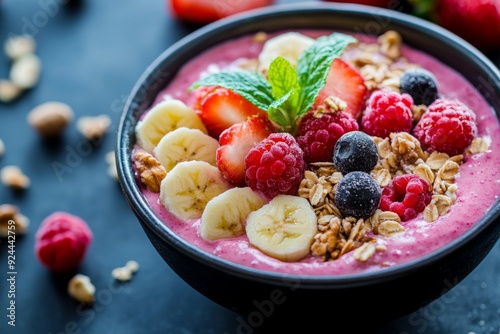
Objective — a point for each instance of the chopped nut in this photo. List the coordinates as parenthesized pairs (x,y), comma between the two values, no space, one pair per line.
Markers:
(12,176)
(364,252)
(9,91)
(335,103)
(111,160)
(150,170)
(406,147)
(2,148)
(50,118)
(390,44)
(125,274)
(25,71)
(19,46)
(81,289)
(9,215)
(417,111)
(390,228)
(94,128)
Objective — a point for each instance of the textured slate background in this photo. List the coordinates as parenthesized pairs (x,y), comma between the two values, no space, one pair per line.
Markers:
(92,54)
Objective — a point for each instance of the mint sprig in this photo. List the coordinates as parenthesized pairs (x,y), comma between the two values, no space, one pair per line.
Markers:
(288,92)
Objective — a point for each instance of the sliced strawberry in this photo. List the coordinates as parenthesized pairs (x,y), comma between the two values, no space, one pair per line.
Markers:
(222,108)
(206,11)
(195,99)
(235,142)
(346,83)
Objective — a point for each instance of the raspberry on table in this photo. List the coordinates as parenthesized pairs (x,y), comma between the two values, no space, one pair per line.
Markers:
(61,241)
(319,131)
(448,126)
(275,166)
(406,195)
(387,112)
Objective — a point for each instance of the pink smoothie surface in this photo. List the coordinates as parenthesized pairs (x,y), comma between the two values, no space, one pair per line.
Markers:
(478,180)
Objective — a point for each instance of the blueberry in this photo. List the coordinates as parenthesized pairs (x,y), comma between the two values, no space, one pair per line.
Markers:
(355,151)
(357,195)
(420,84)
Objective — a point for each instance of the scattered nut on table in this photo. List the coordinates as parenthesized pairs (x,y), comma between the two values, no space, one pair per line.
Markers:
(25,71)
(9,91)
(110,159)
(50,119)
(93,127)
(10,216)
(81,289)
(125,273)
(17,46)
(13,177)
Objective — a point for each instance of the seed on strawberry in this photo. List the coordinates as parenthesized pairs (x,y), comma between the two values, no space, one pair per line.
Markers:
(448,126)
(234,144)
(406,195)
(319,131)
(222,108)
(275,166)
(61,241)
(387,112)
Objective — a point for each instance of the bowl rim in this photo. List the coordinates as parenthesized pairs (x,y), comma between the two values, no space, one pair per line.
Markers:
(145,213)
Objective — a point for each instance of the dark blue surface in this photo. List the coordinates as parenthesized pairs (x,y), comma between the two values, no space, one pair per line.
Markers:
(92,55)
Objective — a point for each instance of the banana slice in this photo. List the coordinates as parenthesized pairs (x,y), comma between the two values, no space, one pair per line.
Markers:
(185,144)
(284,228)
(188,187)
(164,117)
(289,45)
(224,214)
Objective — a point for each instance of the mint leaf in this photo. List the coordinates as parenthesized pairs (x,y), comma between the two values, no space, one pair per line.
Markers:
(279,113)
(314,65)
(283,79)
(251,86)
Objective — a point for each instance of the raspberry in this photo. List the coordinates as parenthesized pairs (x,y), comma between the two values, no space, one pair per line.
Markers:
(318,133)
(62,241)
(406,195)
(387,112)
(275,166)
(447,126)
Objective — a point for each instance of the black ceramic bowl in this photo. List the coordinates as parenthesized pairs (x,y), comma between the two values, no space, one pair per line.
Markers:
(264,298)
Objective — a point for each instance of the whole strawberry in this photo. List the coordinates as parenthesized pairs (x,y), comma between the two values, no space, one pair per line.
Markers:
(275,166)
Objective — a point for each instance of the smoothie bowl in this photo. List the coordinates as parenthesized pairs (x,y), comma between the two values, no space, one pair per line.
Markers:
(338,154)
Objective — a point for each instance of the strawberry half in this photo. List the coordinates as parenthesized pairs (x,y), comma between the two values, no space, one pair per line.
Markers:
(346,83)
(222,108)
(235,142)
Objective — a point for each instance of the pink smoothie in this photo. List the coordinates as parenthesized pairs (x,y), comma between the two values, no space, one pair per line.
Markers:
(478,180)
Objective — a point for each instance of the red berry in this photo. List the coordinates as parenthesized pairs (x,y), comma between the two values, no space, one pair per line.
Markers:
(222,108)
(406,195)
(447,126)
(206,11)
(61,241)
(235,142)
(346,83)
(319,131)
(275,166)
(477,21)
(387,112)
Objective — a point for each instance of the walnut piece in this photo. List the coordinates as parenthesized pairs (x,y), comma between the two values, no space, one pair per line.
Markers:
(125,273)
(9,91)
(150,170)
(94,128)
(49,119)
(13,176)
(9,215)
(18,46)
(81,289)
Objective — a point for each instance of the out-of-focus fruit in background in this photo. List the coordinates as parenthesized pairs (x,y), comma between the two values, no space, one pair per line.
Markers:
(476,21)
(201,12)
